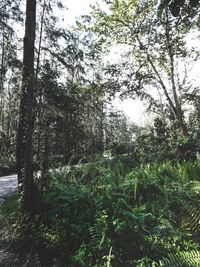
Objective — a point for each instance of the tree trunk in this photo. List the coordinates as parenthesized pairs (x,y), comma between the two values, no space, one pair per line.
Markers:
(26,114)
(2,76)
(45,155)
(39,113)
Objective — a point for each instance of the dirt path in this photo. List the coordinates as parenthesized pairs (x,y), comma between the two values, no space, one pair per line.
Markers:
(8,184)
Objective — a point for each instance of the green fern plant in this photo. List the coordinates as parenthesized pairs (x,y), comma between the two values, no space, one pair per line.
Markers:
(181,259)
(192,219)
(191,203)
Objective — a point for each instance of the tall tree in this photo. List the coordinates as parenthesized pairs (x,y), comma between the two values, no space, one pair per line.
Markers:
(153,51)
(26,117)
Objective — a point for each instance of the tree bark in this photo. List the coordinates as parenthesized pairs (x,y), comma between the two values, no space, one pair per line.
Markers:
(26,114)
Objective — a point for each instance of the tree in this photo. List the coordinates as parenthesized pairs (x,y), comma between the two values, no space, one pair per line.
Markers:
(26,116)
(73,105)
(118,133)
(152,52)
(175,6)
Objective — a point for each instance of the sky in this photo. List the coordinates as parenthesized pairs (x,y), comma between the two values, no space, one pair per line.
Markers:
(77,8)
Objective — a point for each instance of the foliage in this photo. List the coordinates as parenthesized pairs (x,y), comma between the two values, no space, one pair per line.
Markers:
(191,258)
(152,53)
(160,142)
(176,6)
(9,210)
(101,213)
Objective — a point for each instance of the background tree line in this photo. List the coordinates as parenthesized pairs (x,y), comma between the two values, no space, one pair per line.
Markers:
(70,92)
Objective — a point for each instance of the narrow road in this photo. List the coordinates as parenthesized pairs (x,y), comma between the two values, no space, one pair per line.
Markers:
(8,184)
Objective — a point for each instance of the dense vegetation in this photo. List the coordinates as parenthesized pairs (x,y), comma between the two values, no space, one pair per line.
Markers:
(95,189)
(114,214)
(109,215)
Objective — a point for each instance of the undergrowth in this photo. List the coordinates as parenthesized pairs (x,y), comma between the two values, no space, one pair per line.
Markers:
(106,214)
(8,209)
(102,214)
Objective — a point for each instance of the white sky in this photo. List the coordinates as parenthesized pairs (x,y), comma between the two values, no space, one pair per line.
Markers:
(77,8)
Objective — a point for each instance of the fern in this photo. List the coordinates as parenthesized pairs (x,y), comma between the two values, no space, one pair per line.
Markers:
(181,259)
(191,206)
(192,220)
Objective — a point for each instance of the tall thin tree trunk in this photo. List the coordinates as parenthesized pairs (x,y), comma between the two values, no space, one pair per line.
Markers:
(40,40)
(26,114)
(2,74)
(39,113)
(45,155)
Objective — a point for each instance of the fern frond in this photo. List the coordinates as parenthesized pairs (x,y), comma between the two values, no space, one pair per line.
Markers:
(192,220)
(181,259)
